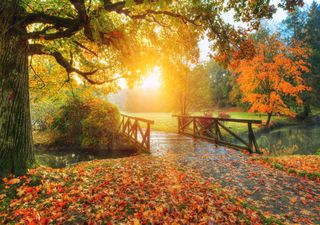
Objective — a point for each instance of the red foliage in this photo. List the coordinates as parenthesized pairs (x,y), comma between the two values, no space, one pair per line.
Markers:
(224,115)
(274,72)
(205,122)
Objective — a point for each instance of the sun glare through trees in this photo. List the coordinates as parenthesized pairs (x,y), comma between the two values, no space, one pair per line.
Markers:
(152,80)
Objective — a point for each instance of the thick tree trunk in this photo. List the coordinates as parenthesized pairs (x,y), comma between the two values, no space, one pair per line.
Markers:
(16,152)
(306,110)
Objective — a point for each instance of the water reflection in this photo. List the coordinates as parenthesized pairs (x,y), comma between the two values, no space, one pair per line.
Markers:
(299,139)
(63,158)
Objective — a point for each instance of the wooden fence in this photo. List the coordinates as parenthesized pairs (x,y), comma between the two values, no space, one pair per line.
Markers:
(131,127)
(214,129)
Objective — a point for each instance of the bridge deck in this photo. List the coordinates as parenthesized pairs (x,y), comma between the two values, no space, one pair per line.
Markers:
(162,143)
(268,189)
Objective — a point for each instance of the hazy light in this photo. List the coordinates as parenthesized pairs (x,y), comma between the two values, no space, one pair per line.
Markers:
(77,79)
(122,83)
(153,80)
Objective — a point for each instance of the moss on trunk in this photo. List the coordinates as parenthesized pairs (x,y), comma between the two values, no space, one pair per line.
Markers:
(16,152)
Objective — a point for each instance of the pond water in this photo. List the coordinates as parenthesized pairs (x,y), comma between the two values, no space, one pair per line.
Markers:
(63,158)
(297,139)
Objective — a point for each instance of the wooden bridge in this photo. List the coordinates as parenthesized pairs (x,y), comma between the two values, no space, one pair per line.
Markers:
(213,129)
(136,130)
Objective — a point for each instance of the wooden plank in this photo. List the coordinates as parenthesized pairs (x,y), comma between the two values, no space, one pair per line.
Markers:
(253,139)
(222,119)
(233,134)
(130,128)
(217,130)
(217,137)
(148,136)
(183,126)
(203,128)
(138,118)
(224,143)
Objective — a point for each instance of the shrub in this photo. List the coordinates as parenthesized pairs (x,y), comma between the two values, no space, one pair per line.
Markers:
(87,122)
(206,122)
(100,124)
(41,114)
(224,115)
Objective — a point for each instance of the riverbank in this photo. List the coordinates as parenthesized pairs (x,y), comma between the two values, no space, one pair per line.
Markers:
(307,166)
(49,152)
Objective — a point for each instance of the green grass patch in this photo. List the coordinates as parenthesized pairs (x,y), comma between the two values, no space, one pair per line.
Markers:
(166,122)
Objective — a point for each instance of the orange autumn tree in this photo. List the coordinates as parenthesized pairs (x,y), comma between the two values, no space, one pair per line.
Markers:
(272,75)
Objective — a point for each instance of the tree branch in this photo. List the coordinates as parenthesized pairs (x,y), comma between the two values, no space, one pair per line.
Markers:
(59,34)
(49,19)
(84,47)
(37,49)
(83,17)
(167,13)
(115,7)
(119,7)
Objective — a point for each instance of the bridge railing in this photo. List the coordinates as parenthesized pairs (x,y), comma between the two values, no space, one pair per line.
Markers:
(137,130)
(217,130)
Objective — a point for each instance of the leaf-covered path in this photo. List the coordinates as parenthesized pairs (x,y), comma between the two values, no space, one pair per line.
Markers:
(291,199)
(135,190)
(185,182)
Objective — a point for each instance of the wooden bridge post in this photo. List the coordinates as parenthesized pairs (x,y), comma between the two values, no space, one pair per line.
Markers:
(194,126)
(136,130)
(148,131)
(217,131)
(179,125)
(252,140)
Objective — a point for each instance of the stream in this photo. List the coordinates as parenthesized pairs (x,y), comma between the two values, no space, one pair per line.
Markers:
(64,158)
(298,139)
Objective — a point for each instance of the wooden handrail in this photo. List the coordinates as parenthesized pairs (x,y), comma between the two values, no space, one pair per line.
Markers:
(138,118)
(130,128)
(222,119)
(210,128)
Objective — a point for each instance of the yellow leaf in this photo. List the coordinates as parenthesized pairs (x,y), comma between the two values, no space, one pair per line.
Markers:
(14,181)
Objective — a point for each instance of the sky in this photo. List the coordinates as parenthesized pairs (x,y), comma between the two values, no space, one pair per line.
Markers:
(278,17)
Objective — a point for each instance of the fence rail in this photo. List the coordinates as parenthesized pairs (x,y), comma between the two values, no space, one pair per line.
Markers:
(131,128)
(214,129)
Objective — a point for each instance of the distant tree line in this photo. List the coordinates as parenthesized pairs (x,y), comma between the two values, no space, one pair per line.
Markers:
(304,26)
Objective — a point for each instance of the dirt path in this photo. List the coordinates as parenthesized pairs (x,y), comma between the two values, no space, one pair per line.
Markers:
(291,199)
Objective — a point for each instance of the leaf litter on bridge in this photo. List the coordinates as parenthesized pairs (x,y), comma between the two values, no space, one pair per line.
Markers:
(289,198)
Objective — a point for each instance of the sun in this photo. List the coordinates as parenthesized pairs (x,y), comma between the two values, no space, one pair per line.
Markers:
(153,79)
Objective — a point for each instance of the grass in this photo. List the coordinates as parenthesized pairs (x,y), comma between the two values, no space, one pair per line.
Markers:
(165,122)
(307,166)
(162,121)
